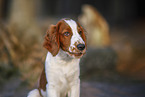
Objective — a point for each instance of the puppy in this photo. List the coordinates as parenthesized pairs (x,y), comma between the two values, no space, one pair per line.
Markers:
(66,44)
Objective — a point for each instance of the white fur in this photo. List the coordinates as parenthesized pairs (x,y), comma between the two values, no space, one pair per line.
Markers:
(43,93)
(62,74)
(34,93)
(76,38)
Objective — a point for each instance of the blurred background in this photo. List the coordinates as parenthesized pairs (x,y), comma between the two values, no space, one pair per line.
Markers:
(114,65)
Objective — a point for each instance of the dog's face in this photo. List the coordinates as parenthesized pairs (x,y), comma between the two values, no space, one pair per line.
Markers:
(67,35)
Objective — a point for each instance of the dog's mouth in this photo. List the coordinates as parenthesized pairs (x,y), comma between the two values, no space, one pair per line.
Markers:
(76,54)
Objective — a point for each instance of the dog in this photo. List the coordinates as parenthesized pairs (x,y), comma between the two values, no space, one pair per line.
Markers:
(96,27)
(66,44)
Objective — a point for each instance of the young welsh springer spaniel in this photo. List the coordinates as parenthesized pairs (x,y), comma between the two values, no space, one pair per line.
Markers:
(66,44)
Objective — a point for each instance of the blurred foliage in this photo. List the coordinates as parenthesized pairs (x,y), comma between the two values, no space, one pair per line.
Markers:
(18,54)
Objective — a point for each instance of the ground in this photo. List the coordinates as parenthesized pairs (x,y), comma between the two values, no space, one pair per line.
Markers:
(15,87)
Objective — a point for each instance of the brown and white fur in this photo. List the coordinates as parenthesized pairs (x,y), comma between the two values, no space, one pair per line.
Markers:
(66,44)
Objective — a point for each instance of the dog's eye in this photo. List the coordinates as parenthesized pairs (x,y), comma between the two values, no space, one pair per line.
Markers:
(66,33)
(80,32)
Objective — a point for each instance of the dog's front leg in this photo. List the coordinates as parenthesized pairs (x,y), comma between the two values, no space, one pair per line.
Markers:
(75,90)
(52,91)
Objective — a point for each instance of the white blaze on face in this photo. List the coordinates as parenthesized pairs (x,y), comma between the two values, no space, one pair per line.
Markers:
(76,38)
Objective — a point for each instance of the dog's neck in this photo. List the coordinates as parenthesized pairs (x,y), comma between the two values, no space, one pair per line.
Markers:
(61,58)
(64,56)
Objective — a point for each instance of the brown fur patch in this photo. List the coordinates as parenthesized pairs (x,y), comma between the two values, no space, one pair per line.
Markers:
(43,81)
(65,40)
(80,28)
(51,41)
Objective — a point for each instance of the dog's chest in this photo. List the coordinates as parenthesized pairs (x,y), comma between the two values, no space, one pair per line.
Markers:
(62,74)
(70,72)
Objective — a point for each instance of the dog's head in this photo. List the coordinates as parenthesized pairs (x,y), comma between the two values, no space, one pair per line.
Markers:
(67,35)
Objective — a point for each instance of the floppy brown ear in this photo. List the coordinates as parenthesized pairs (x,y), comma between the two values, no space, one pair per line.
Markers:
(51,40)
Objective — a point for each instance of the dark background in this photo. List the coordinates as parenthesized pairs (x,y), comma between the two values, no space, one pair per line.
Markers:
(113,10)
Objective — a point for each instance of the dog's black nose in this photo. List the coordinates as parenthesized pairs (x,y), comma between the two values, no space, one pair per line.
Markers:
(81,47)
